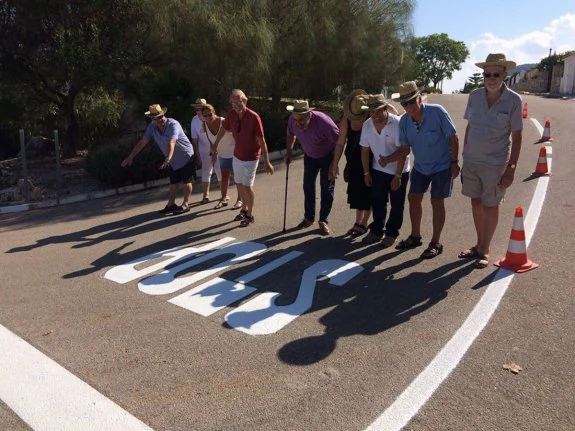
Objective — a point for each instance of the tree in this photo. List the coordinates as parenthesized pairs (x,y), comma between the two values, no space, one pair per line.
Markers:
(61,49)
(437,57)
(474,81)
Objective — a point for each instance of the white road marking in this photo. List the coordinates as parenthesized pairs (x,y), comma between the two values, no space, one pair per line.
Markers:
(48,397)
(410,401)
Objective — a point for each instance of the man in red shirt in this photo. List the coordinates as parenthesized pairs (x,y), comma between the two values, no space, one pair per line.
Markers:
(246,127)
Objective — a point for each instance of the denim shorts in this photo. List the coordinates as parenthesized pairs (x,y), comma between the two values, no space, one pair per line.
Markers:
(441,183)
(226,164)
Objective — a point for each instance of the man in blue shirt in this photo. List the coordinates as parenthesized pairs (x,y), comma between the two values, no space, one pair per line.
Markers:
(428,131)
(175,145)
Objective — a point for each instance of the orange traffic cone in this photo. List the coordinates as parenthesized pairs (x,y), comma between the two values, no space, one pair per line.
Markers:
(516,258)
(541,169)
(525,113)
(546,137)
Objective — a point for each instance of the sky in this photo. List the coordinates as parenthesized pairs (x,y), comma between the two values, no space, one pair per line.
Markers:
(523,30)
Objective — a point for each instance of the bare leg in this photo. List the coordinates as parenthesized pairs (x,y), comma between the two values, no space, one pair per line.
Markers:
(249,196)
(187,193)
(415,213)
(490,220)
(477,211)
(224,184)
(438,207)
(172,194)
(206,189)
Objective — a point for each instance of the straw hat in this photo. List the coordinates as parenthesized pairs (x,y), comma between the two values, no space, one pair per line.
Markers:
(300,107)
(407,91)
(200,103)
(497,60)
(353,103)
(375,102)
(155,111)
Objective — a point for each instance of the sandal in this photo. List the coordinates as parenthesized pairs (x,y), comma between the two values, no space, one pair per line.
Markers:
(237,205)
(409,242)
(181,210)
(434,249)
(222,203)
(481,262)
(471,253)
(247,220)
(358,230)
(240,216)
(206,200)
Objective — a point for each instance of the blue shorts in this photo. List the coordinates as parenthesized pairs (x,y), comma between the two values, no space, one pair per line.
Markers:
(441,183)
(226,164)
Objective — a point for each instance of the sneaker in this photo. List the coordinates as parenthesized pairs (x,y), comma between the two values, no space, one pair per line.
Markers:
(370,238)
(168,209)
(387,241)
(240,216)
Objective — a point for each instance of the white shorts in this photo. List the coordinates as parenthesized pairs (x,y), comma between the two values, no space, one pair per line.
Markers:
(208,168)
(245,172)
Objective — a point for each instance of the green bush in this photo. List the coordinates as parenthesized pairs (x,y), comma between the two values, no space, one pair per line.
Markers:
(104,163)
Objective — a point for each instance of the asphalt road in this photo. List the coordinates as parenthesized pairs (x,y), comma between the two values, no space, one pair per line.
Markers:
(280,351)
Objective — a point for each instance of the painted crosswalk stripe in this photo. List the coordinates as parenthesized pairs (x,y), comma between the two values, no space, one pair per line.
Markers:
(48,397)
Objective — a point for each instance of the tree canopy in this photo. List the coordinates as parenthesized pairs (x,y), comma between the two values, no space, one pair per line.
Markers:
(176,50)
(437,57)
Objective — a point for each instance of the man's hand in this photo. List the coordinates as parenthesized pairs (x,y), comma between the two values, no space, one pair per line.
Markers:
(165,164)
(507,178)
(288,157)
(382,161)
(333,171)
(395,182)
(269,168)
(455,169)
(127,161)
(367,180)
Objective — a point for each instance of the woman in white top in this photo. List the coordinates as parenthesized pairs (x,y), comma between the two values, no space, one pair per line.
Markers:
(208,167)
(212,125)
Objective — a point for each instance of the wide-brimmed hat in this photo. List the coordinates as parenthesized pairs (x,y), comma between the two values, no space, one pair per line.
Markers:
(353,103)
(155,111)
(199,103)
(497,59)
(375,102)
(407,91)
(300,107)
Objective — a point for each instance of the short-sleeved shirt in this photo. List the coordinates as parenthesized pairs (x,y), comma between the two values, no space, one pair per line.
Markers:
(225,146)
(430,140)
(247,133)
(383,144)
(488,137)
(196,127)
(320,136)
(172,130)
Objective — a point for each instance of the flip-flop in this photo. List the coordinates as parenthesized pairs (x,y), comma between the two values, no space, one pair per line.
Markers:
(222,203)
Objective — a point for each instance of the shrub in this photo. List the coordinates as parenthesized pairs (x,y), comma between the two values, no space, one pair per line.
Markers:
(104,163)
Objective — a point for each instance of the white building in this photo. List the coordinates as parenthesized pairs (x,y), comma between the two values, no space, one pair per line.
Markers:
(567,85)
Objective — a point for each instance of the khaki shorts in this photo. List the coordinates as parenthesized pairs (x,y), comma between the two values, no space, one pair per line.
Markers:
(482,181)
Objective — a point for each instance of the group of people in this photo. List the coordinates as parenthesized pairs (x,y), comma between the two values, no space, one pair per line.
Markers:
(378,145)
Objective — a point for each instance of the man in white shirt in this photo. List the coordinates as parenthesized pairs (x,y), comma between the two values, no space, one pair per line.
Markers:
(388,181)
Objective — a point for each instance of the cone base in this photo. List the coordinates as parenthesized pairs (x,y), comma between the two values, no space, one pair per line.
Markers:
(541,174)
(523,267)
(545,140)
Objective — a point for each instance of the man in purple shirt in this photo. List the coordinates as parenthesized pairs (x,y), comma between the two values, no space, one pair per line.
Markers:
(317,134)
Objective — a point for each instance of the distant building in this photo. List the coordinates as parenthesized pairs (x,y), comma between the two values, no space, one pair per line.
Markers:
(567,85)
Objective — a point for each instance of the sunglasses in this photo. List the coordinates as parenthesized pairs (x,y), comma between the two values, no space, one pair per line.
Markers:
(409,102)
(489,75)
(211,114)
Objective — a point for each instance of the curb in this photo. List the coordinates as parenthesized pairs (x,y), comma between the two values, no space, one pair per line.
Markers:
(276,155)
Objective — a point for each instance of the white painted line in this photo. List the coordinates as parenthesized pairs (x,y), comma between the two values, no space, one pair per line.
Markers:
(48,397)
(410,401)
